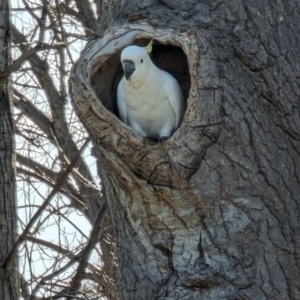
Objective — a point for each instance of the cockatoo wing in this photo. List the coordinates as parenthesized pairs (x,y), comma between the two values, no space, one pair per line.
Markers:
(121,102)
(175,98)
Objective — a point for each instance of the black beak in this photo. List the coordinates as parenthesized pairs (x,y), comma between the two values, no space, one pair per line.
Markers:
(128,67)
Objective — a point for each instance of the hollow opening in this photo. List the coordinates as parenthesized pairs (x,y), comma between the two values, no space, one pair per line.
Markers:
(166,57)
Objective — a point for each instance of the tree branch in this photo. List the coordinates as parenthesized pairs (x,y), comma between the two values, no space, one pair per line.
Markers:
(25,56)
(87,251)
(56,273)
(73,259)
(85,9)
(24,288)
(42,21)
(34,114)
(59,124)
(57,187)
(68,190)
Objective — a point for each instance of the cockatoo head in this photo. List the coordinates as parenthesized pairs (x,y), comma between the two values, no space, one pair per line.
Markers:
(136,62)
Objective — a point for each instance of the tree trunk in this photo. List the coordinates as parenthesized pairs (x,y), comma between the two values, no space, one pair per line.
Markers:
(213,212)
(8,225)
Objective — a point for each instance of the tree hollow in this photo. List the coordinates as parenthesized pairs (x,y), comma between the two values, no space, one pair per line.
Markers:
(108,73)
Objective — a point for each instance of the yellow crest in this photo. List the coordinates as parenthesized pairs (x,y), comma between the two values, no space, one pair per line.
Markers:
(148,48)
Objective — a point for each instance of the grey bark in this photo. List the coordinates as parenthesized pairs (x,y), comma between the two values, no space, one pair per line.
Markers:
(8,225)
(212,213)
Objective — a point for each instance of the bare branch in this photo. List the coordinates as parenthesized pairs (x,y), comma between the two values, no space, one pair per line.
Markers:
(87,251)
(24,287)
(42,21)
(60,127)
(30,11)
(68,190)
(57,187)
(48,135)
(34,114)
(85,9)
(25,56)
(56,273)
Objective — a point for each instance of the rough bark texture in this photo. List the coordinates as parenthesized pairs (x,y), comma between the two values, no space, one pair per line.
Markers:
(8,282)
(213,212)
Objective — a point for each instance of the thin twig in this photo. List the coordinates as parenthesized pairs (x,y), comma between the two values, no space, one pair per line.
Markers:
(15,66)
(87,251)
(55,190)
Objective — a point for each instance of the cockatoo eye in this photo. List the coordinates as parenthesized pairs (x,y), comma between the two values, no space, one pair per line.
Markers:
(141,61)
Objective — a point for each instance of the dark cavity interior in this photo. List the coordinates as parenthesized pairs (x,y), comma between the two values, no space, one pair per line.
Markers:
(166,57)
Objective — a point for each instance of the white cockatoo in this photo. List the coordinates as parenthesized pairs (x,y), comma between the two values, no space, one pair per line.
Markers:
(149,99)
